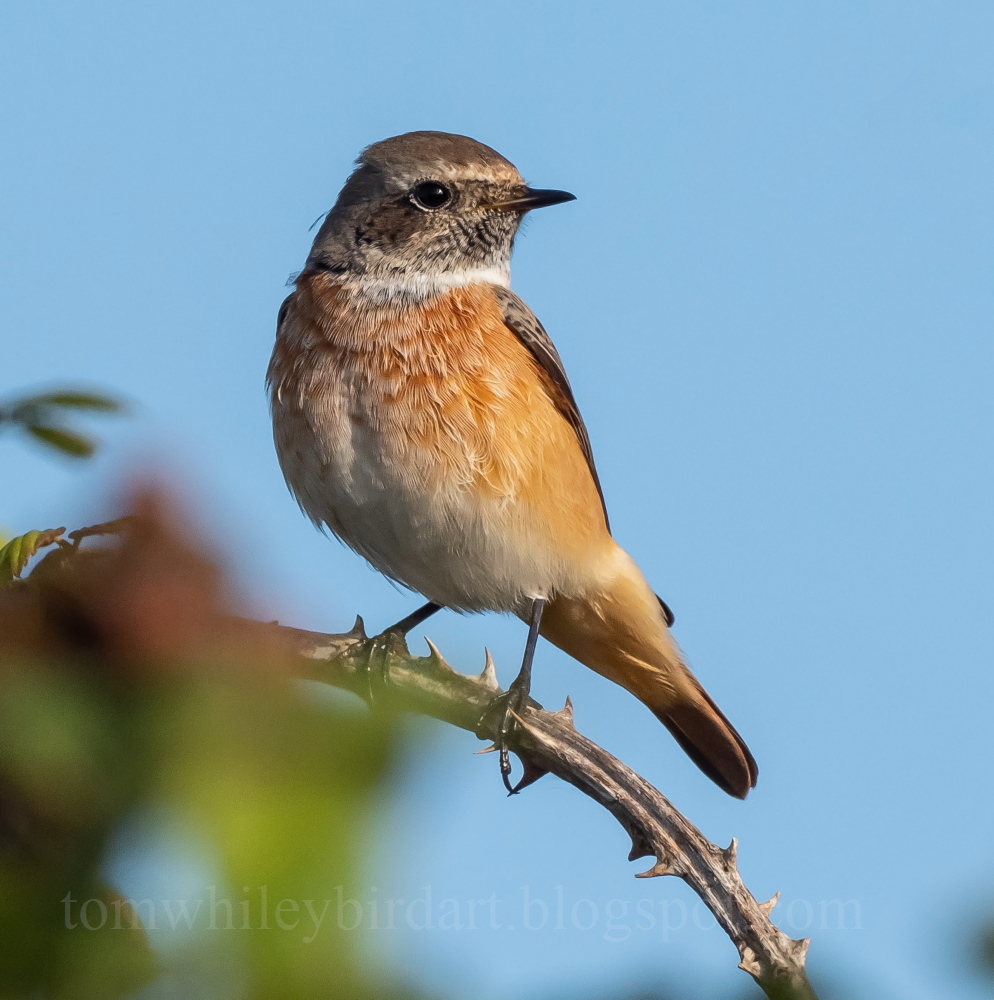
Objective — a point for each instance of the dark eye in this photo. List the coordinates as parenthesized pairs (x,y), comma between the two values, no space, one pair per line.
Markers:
(430,194)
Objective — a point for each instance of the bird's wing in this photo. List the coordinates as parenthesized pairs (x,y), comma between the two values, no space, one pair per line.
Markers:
(284,309)
(524,324)
(526,327)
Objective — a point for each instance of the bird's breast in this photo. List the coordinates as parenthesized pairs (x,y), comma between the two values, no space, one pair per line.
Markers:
(424,437)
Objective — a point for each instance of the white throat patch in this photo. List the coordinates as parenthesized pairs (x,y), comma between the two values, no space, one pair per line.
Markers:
(424,285)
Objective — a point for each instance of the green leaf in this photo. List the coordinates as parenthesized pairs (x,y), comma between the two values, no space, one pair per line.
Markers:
(15,554)
(68,442)
(77,401)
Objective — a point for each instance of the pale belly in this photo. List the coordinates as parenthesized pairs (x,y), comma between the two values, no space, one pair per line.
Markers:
(416,510)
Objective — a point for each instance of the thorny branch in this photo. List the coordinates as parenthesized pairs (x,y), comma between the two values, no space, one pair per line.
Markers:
(382,669)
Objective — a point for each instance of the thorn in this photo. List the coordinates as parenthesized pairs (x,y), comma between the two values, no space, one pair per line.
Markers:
(659,868)
(730,852)
(750,962)
(358,630)
(566,712)
(767,907)
(435,659)
(641,847)
(532,772)
(489,676)
(517,718)
(490,749)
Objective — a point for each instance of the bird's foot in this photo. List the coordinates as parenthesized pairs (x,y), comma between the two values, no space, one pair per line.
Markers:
(501,717)
(393,640)
(375,665)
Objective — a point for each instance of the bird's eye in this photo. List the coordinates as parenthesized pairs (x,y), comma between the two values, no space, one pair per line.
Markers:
(430,194)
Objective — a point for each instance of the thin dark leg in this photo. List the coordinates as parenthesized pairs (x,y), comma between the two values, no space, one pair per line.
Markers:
(414,619)
(518,691)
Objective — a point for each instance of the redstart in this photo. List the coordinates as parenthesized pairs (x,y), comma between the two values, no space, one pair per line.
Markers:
(422,414)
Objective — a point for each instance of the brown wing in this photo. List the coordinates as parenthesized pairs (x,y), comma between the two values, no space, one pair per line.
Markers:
(526,327)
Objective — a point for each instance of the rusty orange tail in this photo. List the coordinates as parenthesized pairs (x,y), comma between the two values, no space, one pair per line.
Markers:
(618,630)
(711,742)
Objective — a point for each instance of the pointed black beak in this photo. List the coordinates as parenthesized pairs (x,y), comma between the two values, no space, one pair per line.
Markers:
(533,198)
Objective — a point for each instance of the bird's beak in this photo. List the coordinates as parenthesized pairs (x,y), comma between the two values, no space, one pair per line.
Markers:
(531,198)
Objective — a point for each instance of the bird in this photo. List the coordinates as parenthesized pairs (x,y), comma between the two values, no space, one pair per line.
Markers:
(422,415)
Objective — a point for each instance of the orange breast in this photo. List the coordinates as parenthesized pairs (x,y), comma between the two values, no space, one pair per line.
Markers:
(442,398)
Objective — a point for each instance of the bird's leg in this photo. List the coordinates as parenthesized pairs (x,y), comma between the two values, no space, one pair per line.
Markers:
(381,646)
(415,618)
(517,694)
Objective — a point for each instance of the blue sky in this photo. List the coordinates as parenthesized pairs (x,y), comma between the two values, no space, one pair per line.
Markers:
(774,299)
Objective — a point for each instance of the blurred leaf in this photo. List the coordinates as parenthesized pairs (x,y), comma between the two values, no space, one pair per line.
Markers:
(44,416)
(68,442)
(77,401)
(14,556)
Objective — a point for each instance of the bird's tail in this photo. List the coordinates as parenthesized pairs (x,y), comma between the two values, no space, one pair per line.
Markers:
(710,741)
(619,631)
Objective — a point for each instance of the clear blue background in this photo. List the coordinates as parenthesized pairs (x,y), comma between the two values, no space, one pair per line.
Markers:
(774,298)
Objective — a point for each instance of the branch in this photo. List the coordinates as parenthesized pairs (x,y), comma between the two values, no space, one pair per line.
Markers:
(382,669)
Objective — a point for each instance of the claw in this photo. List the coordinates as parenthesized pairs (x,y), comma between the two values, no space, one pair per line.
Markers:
(505,770)
(531,772)
(376,663)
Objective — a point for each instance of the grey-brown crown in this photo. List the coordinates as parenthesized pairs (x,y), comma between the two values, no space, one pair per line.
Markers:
(416,152)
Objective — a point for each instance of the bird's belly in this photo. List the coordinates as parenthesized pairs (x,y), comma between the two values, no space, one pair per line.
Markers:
(437,536)
(432,513)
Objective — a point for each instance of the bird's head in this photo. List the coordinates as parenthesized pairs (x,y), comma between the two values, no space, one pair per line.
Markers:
(429,210)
